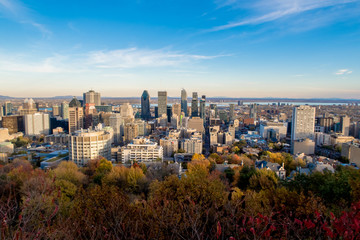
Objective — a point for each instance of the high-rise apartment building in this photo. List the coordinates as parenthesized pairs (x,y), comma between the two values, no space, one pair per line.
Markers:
(303,123)
(86,145)
(127,111)
(64,110)
(303,130)
(327,123)
(231,111)
(13,123)
(162,103)
(8,107)
(92,97)
(176,109)
(76,115)
(253,111)
(131,131)
(170,145)
(37,124)
(193,145)
(202,107)
(345,125)
(116,122)
(90,111)
(56,110)
(184,104)
(194,105)
(28,107)
(145,105)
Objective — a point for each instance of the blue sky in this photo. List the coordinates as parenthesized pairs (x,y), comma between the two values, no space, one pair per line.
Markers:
(235,48)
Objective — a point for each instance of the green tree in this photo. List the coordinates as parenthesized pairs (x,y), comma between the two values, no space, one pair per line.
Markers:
(263,179)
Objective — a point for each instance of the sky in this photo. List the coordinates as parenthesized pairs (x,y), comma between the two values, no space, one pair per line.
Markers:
(233,48)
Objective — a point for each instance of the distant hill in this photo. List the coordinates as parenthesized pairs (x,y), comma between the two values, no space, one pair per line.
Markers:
(5,97)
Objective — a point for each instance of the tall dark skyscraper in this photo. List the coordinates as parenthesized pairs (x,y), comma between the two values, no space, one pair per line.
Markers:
(194,105)
(202,106)
(253,111)
(145,105)
(162,103)
(231,111)
(8,107)
(184,102)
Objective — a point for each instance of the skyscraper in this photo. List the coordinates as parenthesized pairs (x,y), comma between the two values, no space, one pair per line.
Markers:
(76,115)
(131,131)
(162,103)
(28,107)
(116,122)
(145,105)
(64,110)
(202,107)
(56,110)
(37,124)
(176,109)
(253,111)
(92,97)
(184,102)
(345,125)
(303,123)
(303,130)
(231,111)
(8,108)
(127,112)
(194,105)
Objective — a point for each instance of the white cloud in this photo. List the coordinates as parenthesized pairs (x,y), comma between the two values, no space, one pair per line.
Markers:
(343,72)
(99,61)
(16,11)
(53,64)
(133,58)
(271,10)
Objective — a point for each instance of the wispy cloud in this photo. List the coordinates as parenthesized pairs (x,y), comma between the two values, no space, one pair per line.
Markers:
(52,64)
(133,57)
(263,11)
(343,72)
(119,59)
(18,12)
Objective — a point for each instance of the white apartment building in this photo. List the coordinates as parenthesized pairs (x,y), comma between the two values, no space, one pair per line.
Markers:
(193,145)
(170,145)
(86,145)
(37,124)
(303,123)
(141,149)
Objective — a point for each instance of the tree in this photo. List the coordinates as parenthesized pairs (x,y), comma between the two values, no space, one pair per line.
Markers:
(70,172)
(215,157)
(242,177)
(197,157)
(263,179)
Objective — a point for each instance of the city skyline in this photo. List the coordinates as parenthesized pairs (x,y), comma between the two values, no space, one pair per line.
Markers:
(298,49)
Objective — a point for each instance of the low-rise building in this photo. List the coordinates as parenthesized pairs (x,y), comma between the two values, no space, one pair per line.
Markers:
(278,169)
(352,152)
(141,149)
(6,147)
(273,130)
